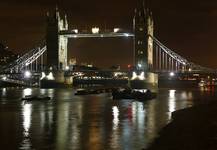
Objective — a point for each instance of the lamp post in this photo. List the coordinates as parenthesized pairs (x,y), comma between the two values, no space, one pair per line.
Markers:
(27,76)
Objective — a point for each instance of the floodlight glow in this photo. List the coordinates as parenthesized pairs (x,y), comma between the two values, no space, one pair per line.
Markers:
(116,30)
(75,30)
(126,34)
(67,67)
(142,76)
(139,65)
(4,78)
(43,75)
(50,76)
(27,74)
(95,30)
(134,76)
(172,74)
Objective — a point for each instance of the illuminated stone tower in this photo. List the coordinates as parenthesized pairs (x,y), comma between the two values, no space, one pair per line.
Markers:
(56,43)
(143,29)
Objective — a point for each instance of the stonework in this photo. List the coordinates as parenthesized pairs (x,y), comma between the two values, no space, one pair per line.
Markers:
(56,43)
(143,30)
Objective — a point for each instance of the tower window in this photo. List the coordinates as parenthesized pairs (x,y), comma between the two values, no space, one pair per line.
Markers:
(139,42)
(140,52)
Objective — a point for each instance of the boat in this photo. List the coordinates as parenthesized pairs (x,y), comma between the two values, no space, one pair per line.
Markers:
(201,83)
(35,98)
(87,92)
(140,95)
(122,94)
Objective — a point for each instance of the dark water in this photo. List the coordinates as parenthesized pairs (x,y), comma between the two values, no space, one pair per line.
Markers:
(87,122)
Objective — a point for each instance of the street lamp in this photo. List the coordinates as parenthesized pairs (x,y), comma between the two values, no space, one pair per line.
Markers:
(27,74)
(67,68)
(4,78)
(172,74)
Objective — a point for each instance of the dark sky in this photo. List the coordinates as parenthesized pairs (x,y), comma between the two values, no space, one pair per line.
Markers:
(187,26)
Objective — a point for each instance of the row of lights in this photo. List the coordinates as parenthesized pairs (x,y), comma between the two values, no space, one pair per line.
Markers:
(96,30)
(27,74)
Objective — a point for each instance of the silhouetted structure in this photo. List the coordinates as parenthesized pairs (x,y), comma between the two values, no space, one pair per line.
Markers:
(6,56)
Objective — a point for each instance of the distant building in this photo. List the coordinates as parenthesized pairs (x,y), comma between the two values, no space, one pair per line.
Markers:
(115,67)
(6,56)
(87,64)
(72,61)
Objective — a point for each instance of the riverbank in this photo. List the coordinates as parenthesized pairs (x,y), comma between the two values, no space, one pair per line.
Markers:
(191,129)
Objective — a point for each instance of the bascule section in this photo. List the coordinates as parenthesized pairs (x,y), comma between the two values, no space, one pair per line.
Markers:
(143,31)
(56,43)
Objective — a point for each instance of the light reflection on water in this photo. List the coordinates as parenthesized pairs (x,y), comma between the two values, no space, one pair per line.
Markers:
(86,122)
(27,92)
(27,111)
(115,117)
(172,103)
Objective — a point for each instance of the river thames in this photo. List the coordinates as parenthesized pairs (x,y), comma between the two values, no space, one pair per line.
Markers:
(88,122)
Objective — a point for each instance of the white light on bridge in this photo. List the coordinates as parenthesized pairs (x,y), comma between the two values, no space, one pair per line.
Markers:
(27,74)
(43,75)
(172,74)
(67,67)
(4,78)
(140,65)
(95,30)
(75,30)
(50,76)
(142,76)
(116,30)
(134,76)
(126,34)
(139,77)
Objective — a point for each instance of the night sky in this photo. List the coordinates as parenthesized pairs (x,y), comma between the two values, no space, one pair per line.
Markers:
(187,26)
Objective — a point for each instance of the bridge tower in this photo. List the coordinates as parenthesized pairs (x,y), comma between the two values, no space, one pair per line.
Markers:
(143,43)
(56,43)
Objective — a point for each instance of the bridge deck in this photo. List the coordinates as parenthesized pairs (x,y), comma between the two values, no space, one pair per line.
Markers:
(97,35)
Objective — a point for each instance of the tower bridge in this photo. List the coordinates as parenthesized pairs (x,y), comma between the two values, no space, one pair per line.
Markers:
(150,55)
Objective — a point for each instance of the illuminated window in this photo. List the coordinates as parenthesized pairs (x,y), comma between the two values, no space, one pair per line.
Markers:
(140,52)
(139,42)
